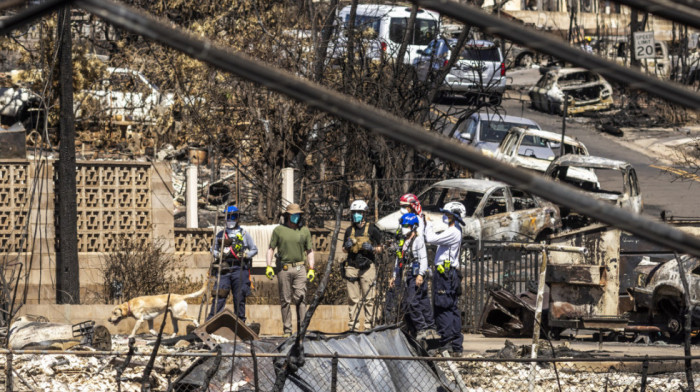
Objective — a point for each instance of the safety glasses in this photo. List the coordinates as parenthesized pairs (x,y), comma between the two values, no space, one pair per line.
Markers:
(232,217)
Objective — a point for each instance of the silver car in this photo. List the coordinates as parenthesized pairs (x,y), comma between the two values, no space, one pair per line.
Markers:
(484,131)
(479,70)
(495,211)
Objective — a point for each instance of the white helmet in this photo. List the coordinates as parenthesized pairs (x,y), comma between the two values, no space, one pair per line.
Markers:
(457,209)
(358,205)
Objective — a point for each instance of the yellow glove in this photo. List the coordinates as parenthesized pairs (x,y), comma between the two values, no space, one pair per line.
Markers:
(270,272)
(440,268)
(311,275)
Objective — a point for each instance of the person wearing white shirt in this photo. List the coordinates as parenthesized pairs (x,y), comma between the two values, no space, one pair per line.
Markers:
(447,280)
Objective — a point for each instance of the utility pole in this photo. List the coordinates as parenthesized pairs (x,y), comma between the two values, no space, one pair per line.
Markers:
(67,267)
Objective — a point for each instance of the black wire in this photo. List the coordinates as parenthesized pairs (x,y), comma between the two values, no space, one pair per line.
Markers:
(674,11)
(549,44)
(28,15)
(401,130)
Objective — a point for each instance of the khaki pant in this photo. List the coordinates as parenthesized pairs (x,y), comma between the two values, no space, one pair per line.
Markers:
(359,285)
(292,285)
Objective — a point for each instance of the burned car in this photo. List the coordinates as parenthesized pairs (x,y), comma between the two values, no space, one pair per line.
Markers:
(495,211)
(534,149)
(584,90)
(609,172)
(658,295)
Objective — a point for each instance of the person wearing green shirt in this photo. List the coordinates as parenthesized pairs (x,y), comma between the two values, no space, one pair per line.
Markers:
(293,243)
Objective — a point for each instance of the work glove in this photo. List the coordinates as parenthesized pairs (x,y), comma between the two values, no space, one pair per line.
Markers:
(227,250)
(440,268)
(269,272)
(311,275)
(349,243)
(367,247)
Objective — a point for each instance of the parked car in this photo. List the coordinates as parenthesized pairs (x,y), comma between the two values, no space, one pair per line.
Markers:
(485,130)
(585,91)
(616,183)
(384,28)
(125,95)
(659,296)
(622,191)
(534,149)
(495,211)
(479,70)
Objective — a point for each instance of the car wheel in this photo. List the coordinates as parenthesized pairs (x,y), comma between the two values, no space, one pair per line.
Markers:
(525,61)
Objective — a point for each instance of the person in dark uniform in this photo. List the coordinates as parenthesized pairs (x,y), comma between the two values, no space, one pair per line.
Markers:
(232,250)
(447,280)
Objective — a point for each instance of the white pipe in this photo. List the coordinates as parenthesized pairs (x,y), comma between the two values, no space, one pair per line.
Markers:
(287,186)
(191,197)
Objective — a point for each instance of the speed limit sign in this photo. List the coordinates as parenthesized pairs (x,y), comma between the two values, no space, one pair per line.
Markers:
(644,45)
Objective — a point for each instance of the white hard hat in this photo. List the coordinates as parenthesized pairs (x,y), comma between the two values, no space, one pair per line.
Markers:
(457,209)
(358,205)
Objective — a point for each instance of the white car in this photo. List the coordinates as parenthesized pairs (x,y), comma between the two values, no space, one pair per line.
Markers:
(125,95)
(535,149)
(495,211)
(384,27)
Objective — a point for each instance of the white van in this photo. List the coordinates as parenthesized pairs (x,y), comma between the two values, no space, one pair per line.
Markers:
(388,26)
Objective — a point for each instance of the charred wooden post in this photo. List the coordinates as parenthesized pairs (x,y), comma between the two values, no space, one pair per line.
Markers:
(67,269)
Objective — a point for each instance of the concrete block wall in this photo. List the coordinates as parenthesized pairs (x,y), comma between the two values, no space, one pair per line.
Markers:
(133,198)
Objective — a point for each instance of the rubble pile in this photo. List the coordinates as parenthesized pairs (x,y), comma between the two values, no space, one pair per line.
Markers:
(40,372)
(514,376)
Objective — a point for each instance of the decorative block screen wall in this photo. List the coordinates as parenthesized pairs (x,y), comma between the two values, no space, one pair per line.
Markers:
(113,199)
(14,208)
(199,240)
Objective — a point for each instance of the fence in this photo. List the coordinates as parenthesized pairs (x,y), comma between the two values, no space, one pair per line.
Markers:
(488,265)
(118,371)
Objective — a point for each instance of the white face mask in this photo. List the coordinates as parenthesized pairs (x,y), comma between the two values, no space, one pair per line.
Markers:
(405,230)
(231,224)
(404,210)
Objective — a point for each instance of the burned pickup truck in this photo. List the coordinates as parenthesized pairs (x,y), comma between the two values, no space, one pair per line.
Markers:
(584,90)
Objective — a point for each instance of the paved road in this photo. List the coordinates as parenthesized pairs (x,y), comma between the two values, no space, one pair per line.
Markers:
(660,189)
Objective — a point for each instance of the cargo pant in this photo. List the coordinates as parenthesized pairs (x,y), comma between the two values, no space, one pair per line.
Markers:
(292,288)
(234,280)
(361,294)
(417,310)
(447,315)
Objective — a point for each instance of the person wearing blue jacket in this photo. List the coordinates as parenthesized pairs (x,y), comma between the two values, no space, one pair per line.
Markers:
(447,280)
(233,250)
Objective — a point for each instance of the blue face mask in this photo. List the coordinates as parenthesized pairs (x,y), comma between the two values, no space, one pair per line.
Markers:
(445,220)
(294,218)
(357,217)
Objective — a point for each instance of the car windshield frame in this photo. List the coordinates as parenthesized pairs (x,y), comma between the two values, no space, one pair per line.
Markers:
(435,197)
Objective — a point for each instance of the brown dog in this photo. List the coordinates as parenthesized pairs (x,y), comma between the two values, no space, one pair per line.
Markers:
(149,307)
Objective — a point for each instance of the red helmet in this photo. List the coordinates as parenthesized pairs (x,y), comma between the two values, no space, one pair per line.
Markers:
(410,199)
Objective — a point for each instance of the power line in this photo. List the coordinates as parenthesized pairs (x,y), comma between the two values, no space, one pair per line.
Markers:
(391,126)
(25,16)
(674,11)
(548,44)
